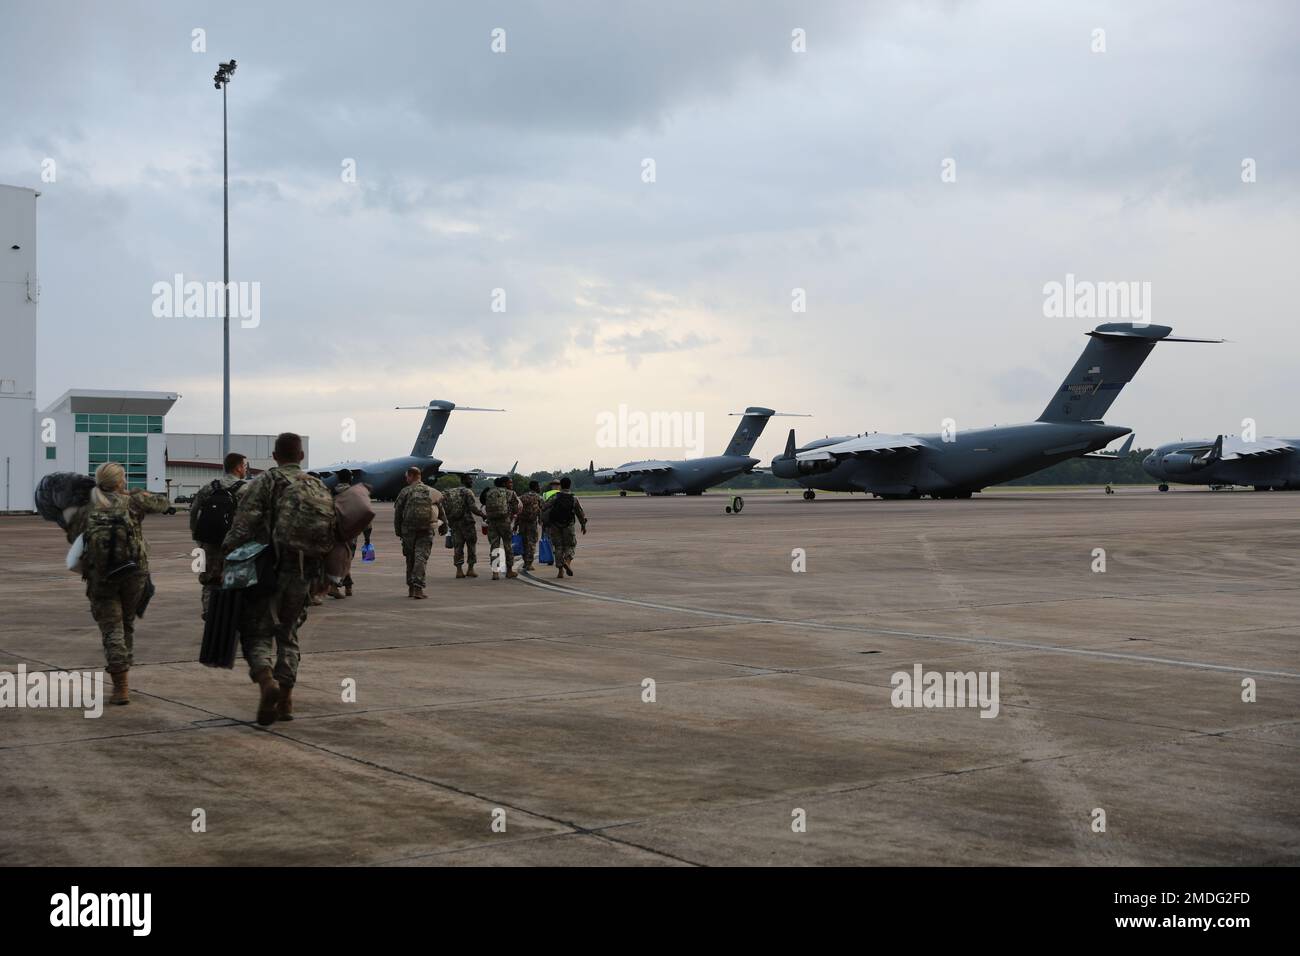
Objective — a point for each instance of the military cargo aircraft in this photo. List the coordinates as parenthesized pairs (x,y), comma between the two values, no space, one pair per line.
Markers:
(956,464)
(694,475)
(1267,464)
(386,478)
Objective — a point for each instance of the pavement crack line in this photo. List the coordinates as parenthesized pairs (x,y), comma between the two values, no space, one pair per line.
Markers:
(528,579)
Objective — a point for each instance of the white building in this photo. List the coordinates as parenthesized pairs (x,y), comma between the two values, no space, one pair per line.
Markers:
(85,427)
(195,460)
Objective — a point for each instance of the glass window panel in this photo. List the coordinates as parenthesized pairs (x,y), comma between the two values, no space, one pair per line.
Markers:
(98,444)
(82,427)
(49,452)
(156,428)
(137,429)
(138,445)
(117,444)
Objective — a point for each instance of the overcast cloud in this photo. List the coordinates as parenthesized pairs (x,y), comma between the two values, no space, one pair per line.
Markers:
(775,170)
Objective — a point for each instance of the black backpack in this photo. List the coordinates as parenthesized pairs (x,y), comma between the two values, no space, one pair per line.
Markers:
(561,510)
(217,513)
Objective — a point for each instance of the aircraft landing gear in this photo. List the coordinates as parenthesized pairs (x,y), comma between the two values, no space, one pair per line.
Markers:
(1110,490)
(1164,487)
(809,494)
(622,494)
(737,503)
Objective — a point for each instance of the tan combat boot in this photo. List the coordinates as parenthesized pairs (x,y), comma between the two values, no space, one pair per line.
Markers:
(559,573)
(496,575)
(347,590)
(284,706)
(419,594)
(335,592)
(471,573)
(120,690)
(266,707)
(512,573)
(460,572)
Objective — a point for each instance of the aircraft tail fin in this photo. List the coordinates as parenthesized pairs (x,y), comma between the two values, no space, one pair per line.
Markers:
(1111,358)
(752,422)
(790,445)
(435,420)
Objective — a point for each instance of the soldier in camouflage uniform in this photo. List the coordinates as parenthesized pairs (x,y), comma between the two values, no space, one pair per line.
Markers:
(558,515)
(269,621)
(501,505)
(530,512)
(236,470)
(415,513)
(461,507)
(115,597)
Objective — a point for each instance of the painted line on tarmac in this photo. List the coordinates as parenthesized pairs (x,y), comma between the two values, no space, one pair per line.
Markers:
(532,581)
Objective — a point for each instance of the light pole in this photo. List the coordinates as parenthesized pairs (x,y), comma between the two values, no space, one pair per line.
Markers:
(220,81)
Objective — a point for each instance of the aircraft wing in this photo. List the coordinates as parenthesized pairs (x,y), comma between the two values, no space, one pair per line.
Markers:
(444,469)
(1234,447)
(864,446)
(636,468)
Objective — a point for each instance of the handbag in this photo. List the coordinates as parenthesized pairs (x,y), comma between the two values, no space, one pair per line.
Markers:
(517,544)
(544,552)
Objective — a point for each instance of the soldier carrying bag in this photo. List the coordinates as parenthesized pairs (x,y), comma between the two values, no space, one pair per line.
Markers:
(221,629)
(216,513)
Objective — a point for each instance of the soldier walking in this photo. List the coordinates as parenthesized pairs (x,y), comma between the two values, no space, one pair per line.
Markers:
(292,512)
(415,513)
(558,515)
(461,507)
(211,512)
(530,512)
(115,564)
(501,506)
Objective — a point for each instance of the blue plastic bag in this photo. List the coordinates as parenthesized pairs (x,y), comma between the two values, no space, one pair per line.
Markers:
(544,552)
(367,552)
(517,544)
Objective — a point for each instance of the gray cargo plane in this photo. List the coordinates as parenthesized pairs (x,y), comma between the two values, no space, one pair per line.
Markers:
(1268,464)
(957,464)
(386,478)
(693,476)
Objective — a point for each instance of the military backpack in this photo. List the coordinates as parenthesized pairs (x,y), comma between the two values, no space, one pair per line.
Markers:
(304,516)
(497,503)
(417,512)
(455,503)
(112,544)
(216,512)
(562,510)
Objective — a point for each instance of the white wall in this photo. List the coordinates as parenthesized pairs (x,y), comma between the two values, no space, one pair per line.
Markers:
(19,287)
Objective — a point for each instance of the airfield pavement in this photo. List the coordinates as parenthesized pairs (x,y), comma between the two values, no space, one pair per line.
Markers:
(1120,691)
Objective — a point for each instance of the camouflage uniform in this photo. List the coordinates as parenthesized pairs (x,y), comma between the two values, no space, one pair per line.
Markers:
(530,510)
(271,620)
(564,538)
(417,536)
(113,601)
(213,560)
(501,505)
(464,531)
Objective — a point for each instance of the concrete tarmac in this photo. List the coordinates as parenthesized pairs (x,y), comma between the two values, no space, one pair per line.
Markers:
(525,701)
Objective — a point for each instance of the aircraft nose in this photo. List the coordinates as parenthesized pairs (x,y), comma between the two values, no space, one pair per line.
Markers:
(1151,466)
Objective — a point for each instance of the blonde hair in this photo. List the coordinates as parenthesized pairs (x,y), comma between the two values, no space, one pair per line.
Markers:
(110,479)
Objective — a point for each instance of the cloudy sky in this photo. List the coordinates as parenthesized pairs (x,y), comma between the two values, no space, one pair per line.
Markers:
(774,170)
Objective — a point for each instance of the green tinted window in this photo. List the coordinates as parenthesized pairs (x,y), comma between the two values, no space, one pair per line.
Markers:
(98,444)
(49,453)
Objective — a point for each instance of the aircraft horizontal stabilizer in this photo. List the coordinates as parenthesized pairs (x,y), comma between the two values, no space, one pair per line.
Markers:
(1113,455)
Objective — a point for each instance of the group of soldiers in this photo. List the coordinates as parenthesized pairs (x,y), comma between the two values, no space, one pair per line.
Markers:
(256,511)
(420,509)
